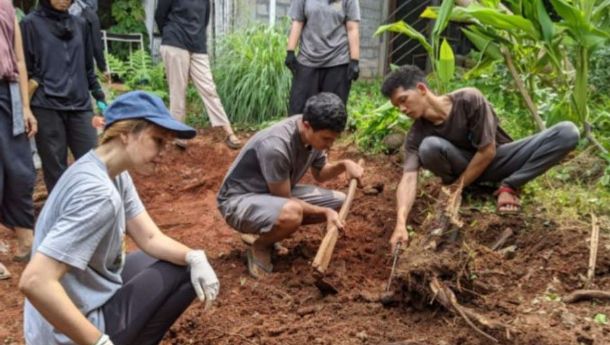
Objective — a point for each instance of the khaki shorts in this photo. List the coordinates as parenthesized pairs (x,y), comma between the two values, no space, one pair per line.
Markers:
(257,213)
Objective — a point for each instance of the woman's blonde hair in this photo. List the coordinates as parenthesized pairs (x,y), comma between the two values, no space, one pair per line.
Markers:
(124,127)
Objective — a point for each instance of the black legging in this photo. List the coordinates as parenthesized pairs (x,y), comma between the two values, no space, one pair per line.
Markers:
(154,294)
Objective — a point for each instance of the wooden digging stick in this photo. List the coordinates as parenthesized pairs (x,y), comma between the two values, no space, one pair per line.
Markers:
(325,252)
(593,250)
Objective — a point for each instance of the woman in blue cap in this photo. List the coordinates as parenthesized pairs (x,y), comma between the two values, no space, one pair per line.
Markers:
(80,286)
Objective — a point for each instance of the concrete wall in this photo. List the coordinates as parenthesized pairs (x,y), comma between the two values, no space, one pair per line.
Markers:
(372,13)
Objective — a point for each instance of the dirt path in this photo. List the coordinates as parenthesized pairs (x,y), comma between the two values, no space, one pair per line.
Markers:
(286,308)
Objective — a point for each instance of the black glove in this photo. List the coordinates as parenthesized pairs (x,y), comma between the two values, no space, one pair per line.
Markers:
(99,95)
(291,61)
(353,70)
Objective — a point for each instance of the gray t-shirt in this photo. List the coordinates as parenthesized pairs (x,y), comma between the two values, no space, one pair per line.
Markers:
(274,154)
(324,38)
(472,124)
(82,224)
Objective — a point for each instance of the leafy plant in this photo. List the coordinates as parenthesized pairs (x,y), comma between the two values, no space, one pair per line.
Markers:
(139,73)
(371,117)
(130,17)
(601,319)
(599,77)
(250,76)
(585,22)
(440,52)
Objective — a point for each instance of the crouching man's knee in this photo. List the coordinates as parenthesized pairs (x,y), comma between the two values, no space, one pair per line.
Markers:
(291,215)
(338,200)
(568,134)
(430,151)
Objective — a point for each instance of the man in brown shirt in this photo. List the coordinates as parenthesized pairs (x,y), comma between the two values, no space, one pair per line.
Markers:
(458,138)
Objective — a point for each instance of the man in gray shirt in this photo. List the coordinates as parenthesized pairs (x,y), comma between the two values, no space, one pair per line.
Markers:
(329,49)
(260,193)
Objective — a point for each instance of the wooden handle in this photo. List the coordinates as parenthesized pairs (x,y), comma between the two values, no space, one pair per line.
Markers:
(327,246)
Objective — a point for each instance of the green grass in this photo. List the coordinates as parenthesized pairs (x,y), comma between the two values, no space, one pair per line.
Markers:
(250,74)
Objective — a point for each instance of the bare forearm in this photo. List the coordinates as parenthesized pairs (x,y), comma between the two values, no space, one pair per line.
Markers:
(295,34)
(331,170)
(309,209)
(405,197)
(165,248)
(23,85)
(147,236)
(476,167)
(21,67)
(353,38)
(51,300)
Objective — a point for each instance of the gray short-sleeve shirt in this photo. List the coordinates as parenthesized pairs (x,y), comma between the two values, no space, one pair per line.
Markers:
(274,154)
(323,41)
(83,225)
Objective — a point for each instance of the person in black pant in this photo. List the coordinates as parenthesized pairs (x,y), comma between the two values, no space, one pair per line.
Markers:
(58,53)
(329,49)
(17,125)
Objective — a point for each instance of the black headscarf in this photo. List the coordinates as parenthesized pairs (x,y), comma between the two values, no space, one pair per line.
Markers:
(61,23)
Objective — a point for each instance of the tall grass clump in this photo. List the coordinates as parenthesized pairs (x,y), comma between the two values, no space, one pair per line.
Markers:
(251,78)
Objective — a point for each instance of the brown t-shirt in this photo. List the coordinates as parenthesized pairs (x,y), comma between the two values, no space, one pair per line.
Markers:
(472,124)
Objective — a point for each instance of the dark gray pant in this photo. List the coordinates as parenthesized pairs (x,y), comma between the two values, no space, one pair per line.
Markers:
(17,174)
(154,294)
(309,81)
(58,131)
(515,163)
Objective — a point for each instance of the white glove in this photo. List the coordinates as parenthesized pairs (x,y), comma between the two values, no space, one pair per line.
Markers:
(203,278)
(104,340)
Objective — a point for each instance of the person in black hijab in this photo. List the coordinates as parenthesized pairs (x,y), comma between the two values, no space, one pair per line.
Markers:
(58,54)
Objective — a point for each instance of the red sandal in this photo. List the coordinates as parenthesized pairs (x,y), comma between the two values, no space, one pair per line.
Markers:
(514,202)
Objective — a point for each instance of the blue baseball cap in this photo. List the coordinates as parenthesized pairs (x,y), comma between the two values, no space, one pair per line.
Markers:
(146,106)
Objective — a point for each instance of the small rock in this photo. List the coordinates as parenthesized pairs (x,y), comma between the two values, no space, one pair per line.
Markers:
(308,310)
(394,141)
(374,189)
(362,336)
(568,319)
(368,296)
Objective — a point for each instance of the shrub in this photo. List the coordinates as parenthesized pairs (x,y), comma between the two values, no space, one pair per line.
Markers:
(250,75)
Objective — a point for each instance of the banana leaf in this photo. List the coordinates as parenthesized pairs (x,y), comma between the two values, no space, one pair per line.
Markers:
(493,17)
(404,28)
(483,43)
(446,63)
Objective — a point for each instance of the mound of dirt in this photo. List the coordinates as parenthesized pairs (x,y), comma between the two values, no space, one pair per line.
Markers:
(522,290)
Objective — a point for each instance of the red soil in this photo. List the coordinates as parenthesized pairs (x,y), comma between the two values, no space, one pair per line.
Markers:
(287,308)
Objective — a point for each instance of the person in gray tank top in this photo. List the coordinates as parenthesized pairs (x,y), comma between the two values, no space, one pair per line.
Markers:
(329,49)
(457,137)
(80,286)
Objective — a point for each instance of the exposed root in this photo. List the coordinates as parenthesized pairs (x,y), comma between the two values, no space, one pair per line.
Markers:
(506,234)
(434,273)
(581,295)
(447,299)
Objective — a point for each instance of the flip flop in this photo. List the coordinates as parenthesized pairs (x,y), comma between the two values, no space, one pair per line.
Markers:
(277,246)
(500,205)
(4,273)
(254,265)
(22,258)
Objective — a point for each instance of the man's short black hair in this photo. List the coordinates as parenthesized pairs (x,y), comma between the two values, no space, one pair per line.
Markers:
(406,76)
(325,111)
